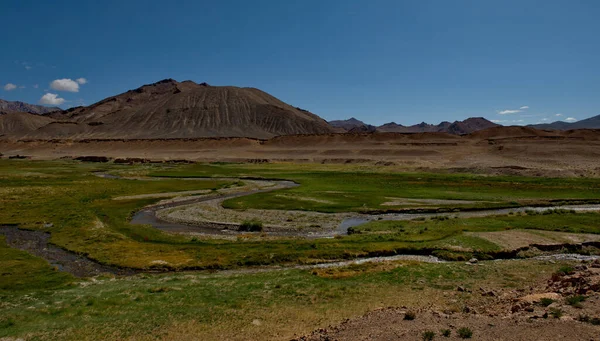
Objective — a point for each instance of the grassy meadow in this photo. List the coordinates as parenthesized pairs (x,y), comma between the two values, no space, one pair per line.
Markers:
(39,302)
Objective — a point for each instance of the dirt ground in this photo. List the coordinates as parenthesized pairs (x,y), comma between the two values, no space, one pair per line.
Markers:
(510,150)
(490,315)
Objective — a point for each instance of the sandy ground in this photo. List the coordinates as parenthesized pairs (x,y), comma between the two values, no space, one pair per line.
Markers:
(495,152)
(213,211)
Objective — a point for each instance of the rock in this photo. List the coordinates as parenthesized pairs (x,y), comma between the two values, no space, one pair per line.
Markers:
(538,297)
(473,260)
(461,289)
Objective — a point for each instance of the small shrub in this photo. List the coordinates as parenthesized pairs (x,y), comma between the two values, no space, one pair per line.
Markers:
(546,301)
(575,301)
(410,315)
(253,225)
(584,318)
(595,321)
(428,335)
(446,332)
(556,313)
(465,333)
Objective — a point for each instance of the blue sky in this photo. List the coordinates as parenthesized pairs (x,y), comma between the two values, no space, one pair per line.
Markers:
(517,62)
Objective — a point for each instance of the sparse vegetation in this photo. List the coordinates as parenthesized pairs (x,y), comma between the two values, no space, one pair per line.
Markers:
(545,301)
(565,270)
(428,335)
(253,225)
(575,300)
(446,332)
(465,333)
(556,313)
(410,315)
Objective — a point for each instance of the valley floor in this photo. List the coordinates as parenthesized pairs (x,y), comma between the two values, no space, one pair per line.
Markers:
(110,279)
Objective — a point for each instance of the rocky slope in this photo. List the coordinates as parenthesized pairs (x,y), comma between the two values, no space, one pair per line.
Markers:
(21,123)
(16,106)
(171,109)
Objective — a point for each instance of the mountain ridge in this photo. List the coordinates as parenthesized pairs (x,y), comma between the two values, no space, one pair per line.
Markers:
(18,106)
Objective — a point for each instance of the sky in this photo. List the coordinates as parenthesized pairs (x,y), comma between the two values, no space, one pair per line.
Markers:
(406,61)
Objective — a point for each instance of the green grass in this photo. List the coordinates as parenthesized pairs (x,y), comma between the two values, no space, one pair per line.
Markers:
(340,189)
(86,219)
(441,228)
(20,271)
(224,307)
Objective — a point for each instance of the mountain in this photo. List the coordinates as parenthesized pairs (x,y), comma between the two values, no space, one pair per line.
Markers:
(469,125)
(590,123)
(458,127)
(21,123)
(171,109)
(352,125)
(16,106)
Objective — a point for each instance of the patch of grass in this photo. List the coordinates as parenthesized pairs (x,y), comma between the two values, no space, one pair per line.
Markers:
(344,188)
(20,271)
(446,332)
(220,306)
(556,313)
(253,225)
(437,228)
(465,333)
(575,300)
(545,301)
(565,270)
(428,335)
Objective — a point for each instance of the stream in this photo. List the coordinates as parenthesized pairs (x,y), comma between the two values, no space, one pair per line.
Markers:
(37,242)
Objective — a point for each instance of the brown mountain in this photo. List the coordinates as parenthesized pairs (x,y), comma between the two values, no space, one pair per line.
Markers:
(16,106)
(457,128)
(15,124)
(171,109)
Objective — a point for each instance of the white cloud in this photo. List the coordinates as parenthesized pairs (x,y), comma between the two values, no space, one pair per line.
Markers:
(512,111)
(544,119)
(65,84)
(10,87)
(570,119)
(51,99)
(35,86)
(558,115)
(27,67)
(498,121)
(507,112)
(81,80)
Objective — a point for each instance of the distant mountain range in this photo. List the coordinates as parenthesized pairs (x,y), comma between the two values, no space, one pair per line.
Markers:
(590,123)
(458,127)
(16,106)
(171,109)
